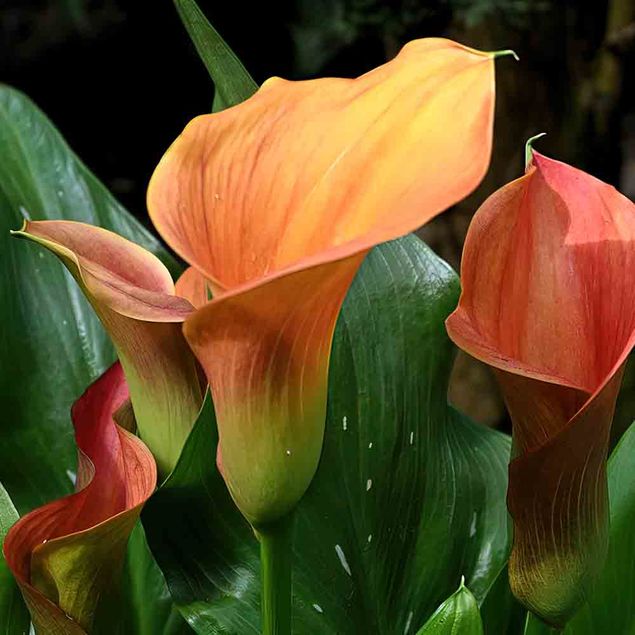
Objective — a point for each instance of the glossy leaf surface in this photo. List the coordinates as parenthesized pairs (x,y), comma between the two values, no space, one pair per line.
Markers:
(408,497)
(458,615)
(14,617)
(49,333)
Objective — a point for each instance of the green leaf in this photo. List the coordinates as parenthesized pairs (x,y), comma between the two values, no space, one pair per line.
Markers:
(51,344)
(625,406)
(611,606)
(458,615)
(14,617)
(408,498)
(232,82)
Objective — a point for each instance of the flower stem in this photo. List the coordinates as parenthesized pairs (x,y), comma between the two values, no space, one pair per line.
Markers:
(276,553)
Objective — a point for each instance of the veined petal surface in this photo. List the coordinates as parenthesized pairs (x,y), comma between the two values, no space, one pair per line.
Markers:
(66,554)
(548,300)
(133,295)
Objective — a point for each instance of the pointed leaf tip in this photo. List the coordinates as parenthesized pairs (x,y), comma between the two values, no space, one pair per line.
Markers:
(505,53)
(458,614)
(529,147)
(233,84)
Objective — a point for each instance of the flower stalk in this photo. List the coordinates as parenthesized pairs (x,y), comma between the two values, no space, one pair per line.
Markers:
(276,556)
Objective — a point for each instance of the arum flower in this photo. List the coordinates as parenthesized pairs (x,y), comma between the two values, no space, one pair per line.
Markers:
(548,300)
(66,554)
(133,295)
(275,203)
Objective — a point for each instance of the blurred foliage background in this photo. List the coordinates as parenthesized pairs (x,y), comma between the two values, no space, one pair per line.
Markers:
(120,79)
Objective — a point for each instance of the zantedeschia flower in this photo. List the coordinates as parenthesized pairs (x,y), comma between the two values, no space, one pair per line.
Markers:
(133,295)
(275,202)
(66,554)
(549,301)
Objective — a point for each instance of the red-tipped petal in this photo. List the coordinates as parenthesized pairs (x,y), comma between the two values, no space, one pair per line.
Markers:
(548,301)
(66,554)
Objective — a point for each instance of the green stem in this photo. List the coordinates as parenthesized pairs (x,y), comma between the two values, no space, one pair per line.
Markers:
(276,553)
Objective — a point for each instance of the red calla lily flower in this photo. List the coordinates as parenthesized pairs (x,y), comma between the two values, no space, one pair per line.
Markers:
(66,554)
(549,301)
(275,203)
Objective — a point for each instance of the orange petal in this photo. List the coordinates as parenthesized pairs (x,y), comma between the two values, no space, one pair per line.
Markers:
(133,295)
(66,554)
(193,287)
(548,300)
(326,168)
(266,350)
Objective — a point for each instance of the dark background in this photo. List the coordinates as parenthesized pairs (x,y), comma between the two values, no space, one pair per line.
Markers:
(120,79)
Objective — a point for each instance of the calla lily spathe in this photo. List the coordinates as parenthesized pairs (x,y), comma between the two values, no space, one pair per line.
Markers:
(549,301)
(275,203)
(68,553)
(133,295)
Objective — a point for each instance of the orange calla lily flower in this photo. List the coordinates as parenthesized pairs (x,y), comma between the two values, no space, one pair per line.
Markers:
(275,203)
(66,554)
(133,295)
(548,300)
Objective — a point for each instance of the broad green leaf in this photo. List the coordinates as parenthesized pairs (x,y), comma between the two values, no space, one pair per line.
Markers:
(14,617)
(232,82)
(51,344)
(408,498)
(611,606)
(458,615)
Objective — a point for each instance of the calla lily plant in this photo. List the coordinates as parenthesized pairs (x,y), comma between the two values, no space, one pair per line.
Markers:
(274,204)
